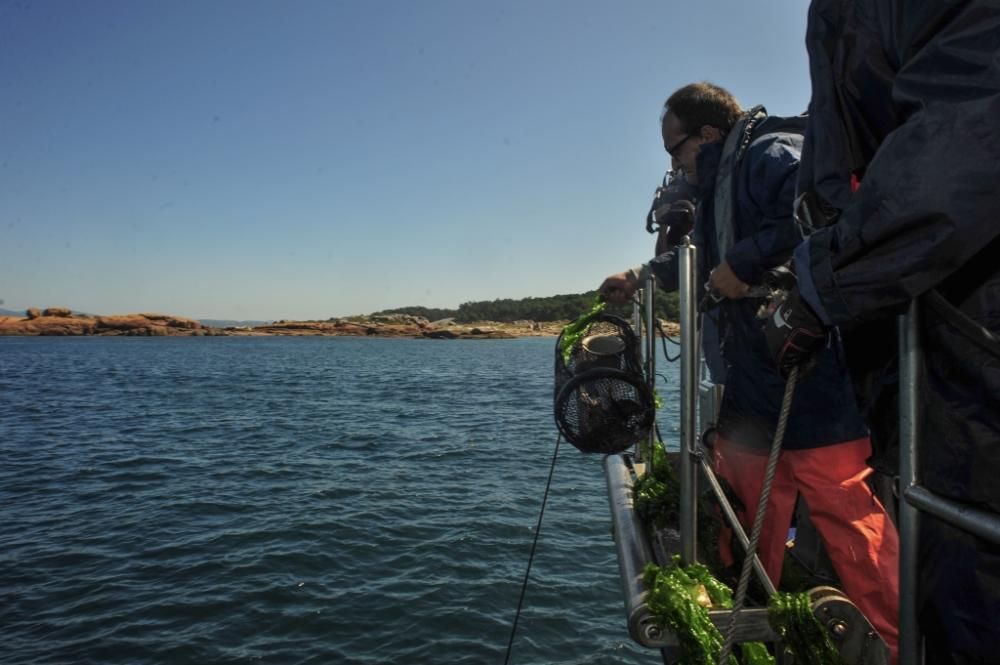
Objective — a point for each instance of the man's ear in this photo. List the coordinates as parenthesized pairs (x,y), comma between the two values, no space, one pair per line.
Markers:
(710,133)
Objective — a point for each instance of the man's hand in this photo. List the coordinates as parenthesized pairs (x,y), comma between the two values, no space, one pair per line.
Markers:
(619,288)
(724,281)
(794,333)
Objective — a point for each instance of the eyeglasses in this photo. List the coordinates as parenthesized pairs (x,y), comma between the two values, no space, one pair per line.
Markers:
(672,150)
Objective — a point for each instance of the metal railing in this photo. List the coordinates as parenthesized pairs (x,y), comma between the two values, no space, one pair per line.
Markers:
(688,254)
(909,515)
(633,548)
(916,499)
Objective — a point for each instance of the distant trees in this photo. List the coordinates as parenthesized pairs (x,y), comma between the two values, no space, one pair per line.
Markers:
(429,313)
(551,308)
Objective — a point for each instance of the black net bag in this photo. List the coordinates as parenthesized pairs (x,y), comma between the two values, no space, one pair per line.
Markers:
(602,402)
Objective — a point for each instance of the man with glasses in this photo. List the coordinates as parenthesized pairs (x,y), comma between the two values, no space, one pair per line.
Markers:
(745,166)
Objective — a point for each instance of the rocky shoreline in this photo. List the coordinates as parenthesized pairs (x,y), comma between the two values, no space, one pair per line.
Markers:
(60,321)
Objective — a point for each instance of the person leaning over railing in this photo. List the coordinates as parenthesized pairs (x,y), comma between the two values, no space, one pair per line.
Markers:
(744,165)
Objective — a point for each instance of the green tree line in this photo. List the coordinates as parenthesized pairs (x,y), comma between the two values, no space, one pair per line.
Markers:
(551,308)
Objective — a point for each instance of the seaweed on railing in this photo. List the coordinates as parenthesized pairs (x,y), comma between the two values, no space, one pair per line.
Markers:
(804,638)
(680,598)
(656,493)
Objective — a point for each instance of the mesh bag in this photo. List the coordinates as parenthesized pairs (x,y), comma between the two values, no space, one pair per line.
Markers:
(602,403)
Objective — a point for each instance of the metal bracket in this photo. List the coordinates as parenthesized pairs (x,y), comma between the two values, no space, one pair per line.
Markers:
(851,633)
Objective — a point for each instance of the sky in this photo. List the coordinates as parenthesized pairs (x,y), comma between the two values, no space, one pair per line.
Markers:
(254,160)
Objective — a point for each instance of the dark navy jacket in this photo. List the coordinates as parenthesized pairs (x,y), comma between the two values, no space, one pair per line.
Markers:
(906,98)
(824,411)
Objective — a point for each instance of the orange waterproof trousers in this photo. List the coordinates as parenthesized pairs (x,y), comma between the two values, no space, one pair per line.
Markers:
(858,535)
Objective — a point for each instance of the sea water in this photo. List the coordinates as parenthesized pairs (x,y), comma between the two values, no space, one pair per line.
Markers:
(298,500)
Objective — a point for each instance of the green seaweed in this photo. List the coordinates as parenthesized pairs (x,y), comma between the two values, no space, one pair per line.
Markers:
(656,493)
(574,331)
(804,639)
(675,600)
(676,592)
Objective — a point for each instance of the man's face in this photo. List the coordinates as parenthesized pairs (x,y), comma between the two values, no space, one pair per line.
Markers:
(681,146)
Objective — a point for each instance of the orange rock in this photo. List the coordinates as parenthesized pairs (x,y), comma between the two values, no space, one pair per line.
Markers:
(60,321)
(172,321)
(47,325)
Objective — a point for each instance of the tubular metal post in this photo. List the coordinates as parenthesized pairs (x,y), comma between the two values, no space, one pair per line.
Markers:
(910,368)
(634,552)
(637,326)
(651,348)
(689,399)
(637,314)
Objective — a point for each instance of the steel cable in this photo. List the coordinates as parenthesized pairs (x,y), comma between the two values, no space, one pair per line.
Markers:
(758,523)
(531,557)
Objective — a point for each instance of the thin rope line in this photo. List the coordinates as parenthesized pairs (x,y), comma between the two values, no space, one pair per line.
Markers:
(758,522)
(531,557)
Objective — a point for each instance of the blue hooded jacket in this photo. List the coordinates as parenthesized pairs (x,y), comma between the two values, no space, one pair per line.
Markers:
(824,410)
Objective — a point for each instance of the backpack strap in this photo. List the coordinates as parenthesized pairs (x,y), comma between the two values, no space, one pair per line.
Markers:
(737,142)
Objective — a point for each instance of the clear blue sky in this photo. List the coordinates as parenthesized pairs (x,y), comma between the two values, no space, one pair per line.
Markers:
(267,160)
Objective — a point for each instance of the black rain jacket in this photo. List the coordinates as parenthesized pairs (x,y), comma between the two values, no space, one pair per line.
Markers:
(906,100)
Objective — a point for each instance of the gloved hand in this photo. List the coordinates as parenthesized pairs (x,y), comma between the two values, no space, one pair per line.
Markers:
(794,333)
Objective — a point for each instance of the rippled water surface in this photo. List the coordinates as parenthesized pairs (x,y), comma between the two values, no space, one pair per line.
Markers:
(296,500)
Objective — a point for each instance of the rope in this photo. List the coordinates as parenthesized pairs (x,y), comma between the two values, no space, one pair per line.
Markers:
(531,557)
(758,522)
(663,341)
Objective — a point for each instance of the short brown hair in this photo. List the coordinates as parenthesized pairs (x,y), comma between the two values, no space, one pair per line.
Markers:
(704,103)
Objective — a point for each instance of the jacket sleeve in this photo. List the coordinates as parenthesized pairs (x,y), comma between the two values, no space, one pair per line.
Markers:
(765,200)
(929,199)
